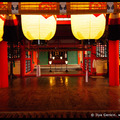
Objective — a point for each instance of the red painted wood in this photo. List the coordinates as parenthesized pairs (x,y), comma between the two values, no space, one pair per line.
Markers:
(114,63)
(3,65)
(34,57)
(93,56)
(58,61)
(83,60)
(79,57)
(64,22)
(22,61)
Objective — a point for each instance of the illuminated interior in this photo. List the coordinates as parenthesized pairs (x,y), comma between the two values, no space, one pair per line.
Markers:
(88,26)
(59,59)
(38,26)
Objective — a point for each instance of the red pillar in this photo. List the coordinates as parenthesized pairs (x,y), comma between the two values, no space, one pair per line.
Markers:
(113,36)
(114,63)
(3,65)
(79,57)
(83,60)
(22,61)
(35,57)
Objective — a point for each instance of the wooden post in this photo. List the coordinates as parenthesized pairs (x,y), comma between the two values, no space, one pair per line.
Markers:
(22,61)
(114,36)
(3,65)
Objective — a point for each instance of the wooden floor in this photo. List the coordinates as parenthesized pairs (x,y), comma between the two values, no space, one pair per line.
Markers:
(59,96)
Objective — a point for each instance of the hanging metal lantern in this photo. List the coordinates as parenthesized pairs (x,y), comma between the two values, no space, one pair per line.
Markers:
(2,21)
(42,27)
(88,26)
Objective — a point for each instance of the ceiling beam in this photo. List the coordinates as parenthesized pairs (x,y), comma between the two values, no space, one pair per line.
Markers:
(59,8)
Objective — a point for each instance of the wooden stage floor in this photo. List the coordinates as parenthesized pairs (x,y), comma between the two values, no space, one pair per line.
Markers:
(59,97)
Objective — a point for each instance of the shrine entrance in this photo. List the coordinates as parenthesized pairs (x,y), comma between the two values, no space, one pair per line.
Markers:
(57,57)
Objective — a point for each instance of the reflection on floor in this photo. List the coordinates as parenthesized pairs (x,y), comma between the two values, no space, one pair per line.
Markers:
(61,93)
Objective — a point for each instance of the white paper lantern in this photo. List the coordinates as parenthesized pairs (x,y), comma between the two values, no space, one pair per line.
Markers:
(2,21)
(38,26)
(88,26)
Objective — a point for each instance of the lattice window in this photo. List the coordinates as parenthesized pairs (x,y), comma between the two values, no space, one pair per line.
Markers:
(87,53)
(28,66)
(27,54)
(89,64)
(101,50)
(15,52)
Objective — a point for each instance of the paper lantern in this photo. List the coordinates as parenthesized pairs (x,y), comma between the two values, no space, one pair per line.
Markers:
(2,21)
(88,26)
(114,26)
(39,27)
(11,33)
(11,20)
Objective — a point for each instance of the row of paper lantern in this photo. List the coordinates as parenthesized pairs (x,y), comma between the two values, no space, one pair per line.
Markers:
(41,27)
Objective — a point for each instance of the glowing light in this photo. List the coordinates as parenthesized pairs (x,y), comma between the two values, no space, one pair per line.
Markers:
(52,81)
(50,62)
(61,57)
(2,20)
(66,62)
(66,81)
(61,80)
(53,57)
(88,26)
(38,26)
